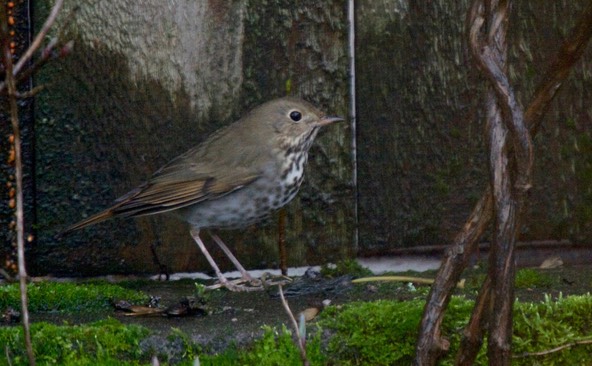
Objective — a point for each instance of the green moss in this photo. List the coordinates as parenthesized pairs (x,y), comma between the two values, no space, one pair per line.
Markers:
(552,323)
(107,342)
(276,347)
(361,327)
(54,296)
(532,278)
(526,278)
(384,332)
(381,332)
(345,267)
(359,333)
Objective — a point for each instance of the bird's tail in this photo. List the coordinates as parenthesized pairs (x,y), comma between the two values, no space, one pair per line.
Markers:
(94,219)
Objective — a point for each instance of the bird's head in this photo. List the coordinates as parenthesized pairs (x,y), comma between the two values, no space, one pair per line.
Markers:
(292,122)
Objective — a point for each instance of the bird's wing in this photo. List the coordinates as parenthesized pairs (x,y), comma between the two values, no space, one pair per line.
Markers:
(198,175)
(178,186)
(188,186)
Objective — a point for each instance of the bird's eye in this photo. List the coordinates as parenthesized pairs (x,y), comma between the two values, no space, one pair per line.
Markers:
(295,116)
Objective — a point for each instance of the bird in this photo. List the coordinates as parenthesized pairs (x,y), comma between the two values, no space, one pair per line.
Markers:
(236,177)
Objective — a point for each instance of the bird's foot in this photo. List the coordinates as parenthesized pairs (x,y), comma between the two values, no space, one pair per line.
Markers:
(251,284)
(238,285)
(269,279)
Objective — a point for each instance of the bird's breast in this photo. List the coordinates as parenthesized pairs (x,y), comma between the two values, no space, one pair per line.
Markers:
(253,203)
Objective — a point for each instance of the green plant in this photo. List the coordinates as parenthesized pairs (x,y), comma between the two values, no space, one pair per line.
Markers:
(550,324)
(376,333)
(384,332)
(276,348)
(56,296)
(532,278)
(107,342)
(345,267)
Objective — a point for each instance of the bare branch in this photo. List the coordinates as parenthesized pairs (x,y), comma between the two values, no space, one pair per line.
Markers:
(430,344)
(473,333)
(20,227)
(31,93)
(39,38)
(570,52)
(299,337)
(491,61)
(553,350)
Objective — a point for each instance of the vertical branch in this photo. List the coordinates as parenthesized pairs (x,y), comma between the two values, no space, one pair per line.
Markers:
(501,255)
(510,168)
(472,339)
(430,344)
(282,241)
(20,229)
(301,341)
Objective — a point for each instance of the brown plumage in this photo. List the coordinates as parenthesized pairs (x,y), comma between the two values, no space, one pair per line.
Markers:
(236,177)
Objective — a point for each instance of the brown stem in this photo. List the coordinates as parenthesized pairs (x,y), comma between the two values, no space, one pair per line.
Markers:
(301,342)
(553,350)
(510,168)
(506,215)
(40,37)
(570,52)
(36,44)
(20,228)
(282,242)
(473,334)
(430,346)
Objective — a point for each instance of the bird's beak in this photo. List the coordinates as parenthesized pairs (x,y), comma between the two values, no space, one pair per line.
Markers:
(328,120)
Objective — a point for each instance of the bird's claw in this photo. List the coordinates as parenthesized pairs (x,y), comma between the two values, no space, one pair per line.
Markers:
(271,280)
(251,284)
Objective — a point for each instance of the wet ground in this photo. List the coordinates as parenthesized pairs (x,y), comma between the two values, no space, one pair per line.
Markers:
(237,318)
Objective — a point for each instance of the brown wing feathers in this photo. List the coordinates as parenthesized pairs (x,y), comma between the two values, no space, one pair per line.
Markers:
(153,198)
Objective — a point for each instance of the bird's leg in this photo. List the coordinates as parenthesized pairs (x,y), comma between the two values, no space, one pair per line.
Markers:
(163,269)
(263,282)
(202,247)
(245,275)
(223,281)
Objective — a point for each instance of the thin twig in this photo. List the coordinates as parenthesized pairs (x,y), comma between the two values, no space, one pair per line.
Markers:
(6,275)
(289,311)
(301,341)
(472,339)
(39,38)
(20,227)
(7,353)
(282,242)
(47,54)
(31,93)
(552,350)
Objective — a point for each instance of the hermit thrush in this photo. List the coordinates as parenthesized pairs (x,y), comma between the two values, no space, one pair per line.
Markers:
(235,178)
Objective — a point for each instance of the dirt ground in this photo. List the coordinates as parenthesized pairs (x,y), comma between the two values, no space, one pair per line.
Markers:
(237,318)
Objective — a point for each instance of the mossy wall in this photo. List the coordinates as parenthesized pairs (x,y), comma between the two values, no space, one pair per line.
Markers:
(148,81)
(422,158)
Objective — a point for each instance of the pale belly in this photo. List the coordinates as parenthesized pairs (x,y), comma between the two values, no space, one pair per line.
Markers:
(240,208)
